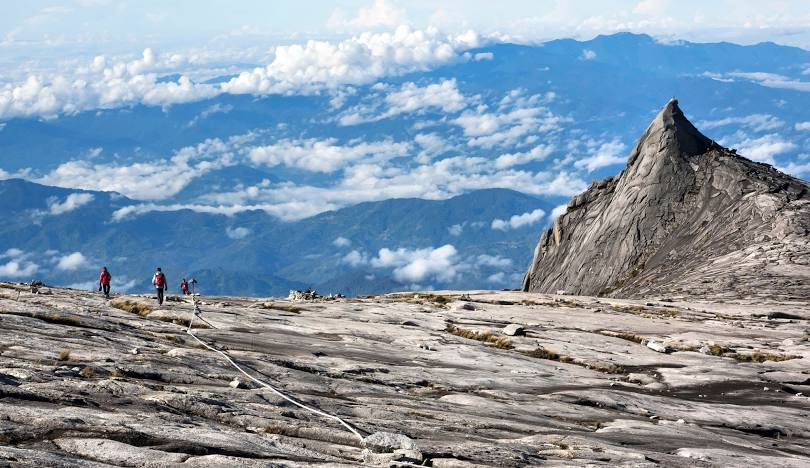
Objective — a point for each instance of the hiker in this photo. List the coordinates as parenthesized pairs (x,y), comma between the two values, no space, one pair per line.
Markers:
(104,282)
(184,287)
(159,280)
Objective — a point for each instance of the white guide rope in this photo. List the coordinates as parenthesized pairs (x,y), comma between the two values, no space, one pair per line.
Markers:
(263,384)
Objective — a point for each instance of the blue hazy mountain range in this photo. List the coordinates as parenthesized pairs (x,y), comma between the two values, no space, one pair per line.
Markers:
(334,251)
(359,188)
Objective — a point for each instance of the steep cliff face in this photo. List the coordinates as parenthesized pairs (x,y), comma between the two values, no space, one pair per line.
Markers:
(685,217)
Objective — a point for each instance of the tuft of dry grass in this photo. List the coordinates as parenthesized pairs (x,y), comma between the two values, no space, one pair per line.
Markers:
(758,356)
(64,355)
(543,353)
(717,350)
(630,337)
(285,307)
(133,307)
(87,372)
(644,311)
(499,341)
(61,320)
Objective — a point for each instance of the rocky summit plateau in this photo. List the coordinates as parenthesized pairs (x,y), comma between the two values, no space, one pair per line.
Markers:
(686,217)
(446,379)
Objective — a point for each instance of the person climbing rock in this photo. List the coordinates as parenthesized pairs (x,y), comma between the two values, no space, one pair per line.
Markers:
(184,287)
(159,281)
(104,282)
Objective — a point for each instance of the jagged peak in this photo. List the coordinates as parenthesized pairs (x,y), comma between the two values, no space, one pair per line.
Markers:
(672,126)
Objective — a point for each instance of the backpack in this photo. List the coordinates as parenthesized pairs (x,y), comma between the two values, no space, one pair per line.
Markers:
(160,280)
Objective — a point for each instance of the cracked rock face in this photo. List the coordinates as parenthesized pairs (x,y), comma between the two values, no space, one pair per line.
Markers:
(424,381)
(686,217)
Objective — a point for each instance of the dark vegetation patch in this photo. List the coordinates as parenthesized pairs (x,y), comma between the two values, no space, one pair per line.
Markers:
(500,341)
(133,307)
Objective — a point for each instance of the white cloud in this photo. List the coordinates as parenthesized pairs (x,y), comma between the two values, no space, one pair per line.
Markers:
(355,258)
(13,253)
(237,233)
(756,122)
(483,56)
(381,13)
(516,117)
(587,54)
(105,82)
(94,152)
(538,153)
(651,7)
(357,60)
(518,221)
(773,80)
(455,230)
(373,179)
(152,180)
(763,149)
(71,262)
(341,242)
(419,264)
(410,98)
(325,155)
(607,154)
(798,168)
(802,126)
(101,84)
(72,202)
(497,278)
(216,108)
(558,210)
(493,261)
(18,269)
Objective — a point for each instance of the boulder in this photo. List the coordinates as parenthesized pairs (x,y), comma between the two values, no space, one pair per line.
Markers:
(657,346)
(513,329)
(387,442)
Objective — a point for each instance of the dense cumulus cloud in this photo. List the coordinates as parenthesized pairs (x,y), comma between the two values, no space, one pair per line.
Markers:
(105,82)
(518,221)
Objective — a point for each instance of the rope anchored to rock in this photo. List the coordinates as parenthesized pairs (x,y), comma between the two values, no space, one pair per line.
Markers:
(197,313)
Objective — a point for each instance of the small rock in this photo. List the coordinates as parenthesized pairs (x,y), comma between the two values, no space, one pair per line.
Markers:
(680,421)
(135,351)
(236,383)
(765,389)
(800,394)
(513,329)
(657,346)
(705,350)
(389,442)
(466,306)
(653,417)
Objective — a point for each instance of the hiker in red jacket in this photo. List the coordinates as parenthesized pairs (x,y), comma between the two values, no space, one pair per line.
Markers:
(104,282)
(184,287)
(159,280)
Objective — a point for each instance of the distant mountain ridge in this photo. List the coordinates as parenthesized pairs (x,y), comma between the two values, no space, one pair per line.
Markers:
(253,253)
(686,217)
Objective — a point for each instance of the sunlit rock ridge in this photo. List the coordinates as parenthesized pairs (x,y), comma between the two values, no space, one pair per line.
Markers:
(686,216)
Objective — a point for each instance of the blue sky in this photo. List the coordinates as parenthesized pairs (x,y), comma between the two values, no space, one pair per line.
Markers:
(47,28)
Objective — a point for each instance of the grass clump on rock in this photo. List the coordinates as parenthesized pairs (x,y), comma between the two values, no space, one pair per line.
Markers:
(499,341)
(133,307)
(758,356)
(64,355)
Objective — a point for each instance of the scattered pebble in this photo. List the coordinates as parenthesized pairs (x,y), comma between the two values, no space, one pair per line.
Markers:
(765,389)
(680,421)
(135,351)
